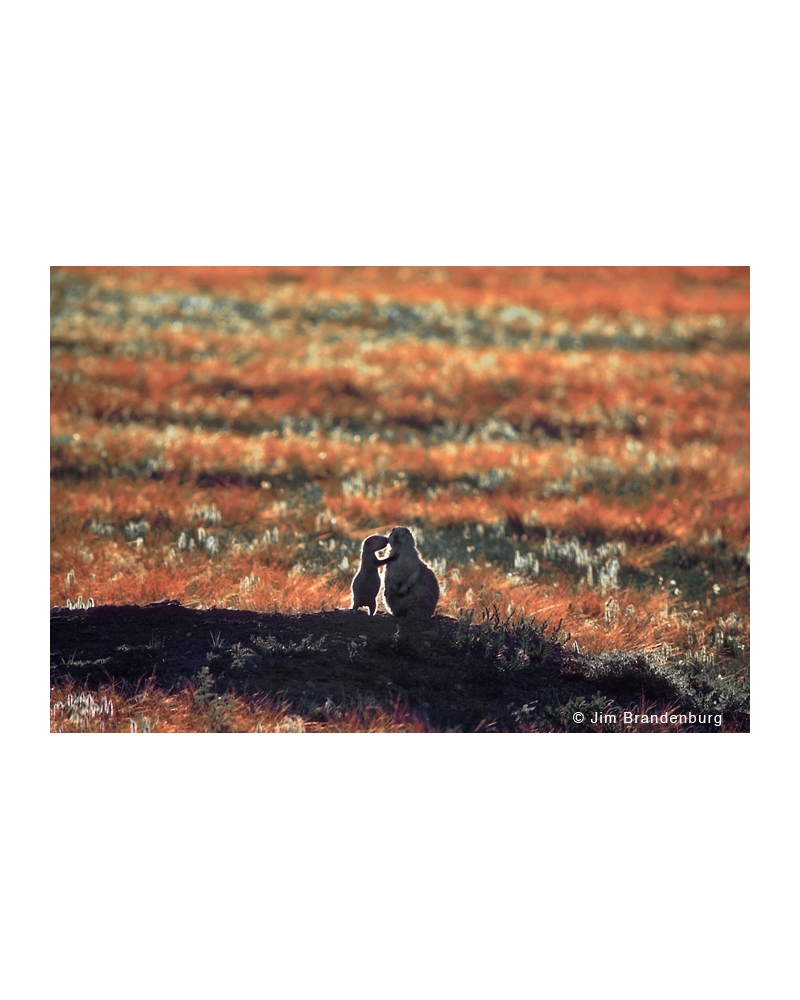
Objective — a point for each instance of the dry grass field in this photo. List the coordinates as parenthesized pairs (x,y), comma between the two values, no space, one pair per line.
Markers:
(569,445)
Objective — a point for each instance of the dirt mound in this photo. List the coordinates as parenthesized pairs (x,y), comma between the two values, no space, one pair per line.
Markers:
(456,675)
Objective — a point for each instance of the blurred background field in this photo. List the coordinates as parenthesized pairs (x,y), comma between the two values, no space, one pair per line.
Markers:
(569,443)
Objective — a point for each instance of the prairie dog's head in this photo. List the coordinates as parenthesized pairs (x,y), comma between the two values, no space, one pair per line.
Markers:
(373,544)
(401,540)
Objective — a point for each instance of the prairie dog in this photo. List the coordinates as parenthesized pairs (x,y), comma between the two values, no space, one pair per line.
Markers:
(367,581)
(410,586)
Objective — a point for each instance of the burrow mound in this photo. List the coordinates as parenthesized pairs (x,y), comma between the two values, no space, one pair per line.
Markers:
(456,675)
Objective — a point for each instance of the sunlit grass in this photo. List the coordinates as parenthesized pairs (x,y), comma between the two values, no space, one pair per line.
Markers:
(112,709)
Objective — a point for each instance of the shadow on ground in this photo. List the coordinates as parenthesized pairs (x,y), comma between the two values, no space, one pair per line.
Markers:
(456,675)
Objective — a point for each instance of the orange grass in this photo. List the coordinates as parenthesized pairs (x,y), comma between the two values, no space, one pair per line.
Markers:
(110,709)
(648,291)
(666,399)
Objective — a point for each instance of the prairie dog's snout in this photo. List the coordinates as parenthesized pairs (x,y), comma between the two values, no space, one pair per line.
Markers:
(373,544)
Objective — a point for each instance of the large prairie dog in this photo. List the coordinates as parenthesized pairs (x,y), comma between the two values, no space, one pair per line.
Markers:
(410,588)
(367,581)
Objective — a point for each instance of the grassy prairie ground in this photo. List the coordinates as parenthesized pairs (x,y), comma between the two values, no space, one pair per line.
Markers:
(569,445)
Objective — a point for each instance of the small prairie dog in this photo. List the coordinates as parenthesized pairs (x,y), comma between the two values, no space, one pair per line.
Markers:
(367,581)
(410,587)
